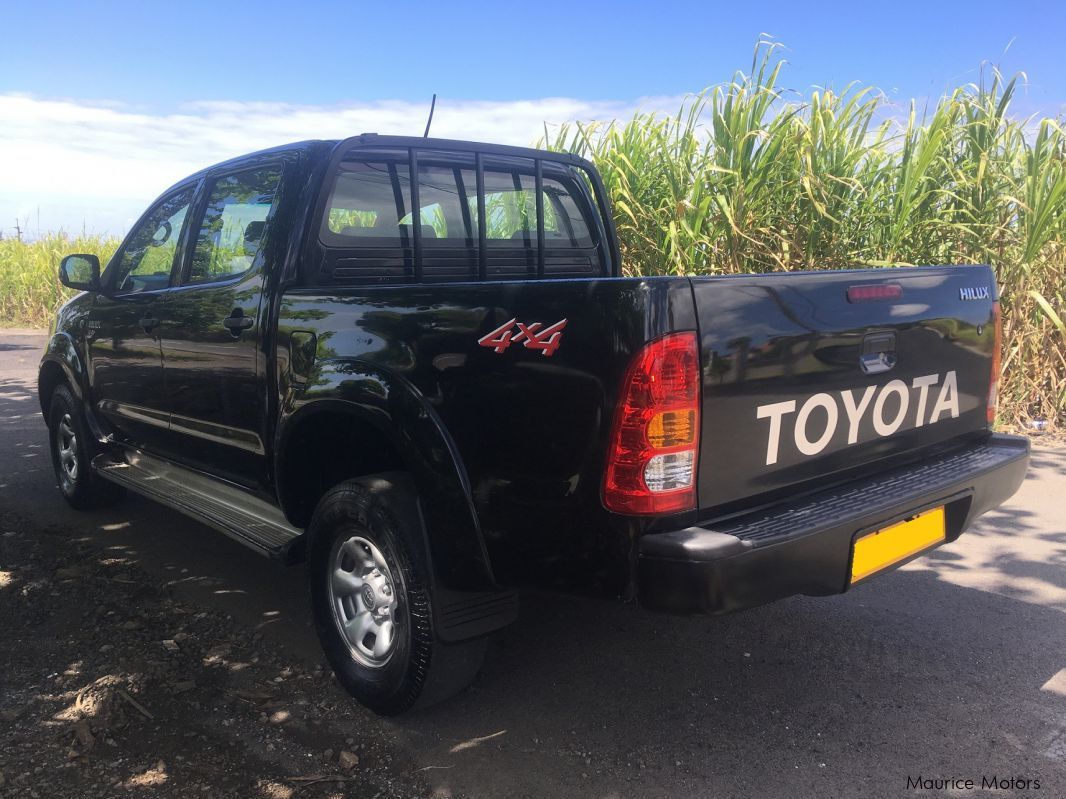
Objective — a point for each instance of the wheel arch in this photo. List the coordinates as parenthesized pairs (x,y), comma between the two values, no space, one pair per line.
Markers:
(378,422)
(61,363)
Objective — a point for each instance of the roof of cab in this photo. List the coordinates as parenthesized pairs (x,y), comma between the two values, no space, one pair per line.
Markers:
(336,149)
(342,146)
(454,145)
(298,146)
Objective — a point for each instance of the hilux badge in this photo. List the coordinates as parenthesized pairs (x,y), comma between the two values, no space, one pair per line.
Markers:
(975,293)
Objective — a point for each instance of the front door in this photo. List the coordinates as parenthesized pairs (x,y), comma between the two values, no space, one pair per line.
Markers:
(123,328)
(211,333)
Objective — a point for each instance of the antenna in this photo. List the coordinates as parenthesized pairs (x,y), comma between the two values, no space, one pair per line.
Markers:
(432,105)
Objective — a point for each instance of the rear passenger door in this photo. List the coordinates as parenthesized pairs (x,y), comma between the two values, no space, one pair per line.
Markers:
(213,370)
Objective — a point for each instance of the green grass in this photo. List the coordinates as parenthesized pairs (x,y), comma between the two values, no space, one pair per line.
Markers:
(746,177)
(29,284)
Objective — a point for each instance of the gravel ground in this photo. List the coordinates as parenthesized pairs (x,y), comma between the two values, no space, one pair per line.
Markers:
(113,686)
(952,667)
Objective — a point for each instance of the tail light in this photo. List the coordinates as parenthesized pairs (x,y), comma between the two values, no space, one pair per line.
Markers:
(651,463)
(993,383)
(877,291)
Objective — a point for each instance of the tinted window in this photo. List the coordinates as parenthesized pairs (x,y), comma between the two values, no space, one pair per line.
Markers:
(511,209)
(370,203)
(145,262)
(563,221)
(233,225)
(369,200)
(444,197)
(370,215)
(510,205)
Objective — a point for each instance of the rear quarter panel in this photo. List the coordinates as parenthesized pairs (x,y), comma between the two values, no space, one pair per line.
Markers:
(530,428)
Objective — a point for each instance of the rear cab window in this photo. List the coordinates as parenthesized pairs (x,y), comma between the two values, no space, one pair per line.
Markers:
(395,216)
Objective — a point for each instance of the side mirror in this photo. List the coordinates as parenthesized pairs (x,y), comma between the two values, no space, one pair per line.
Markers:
(80,272)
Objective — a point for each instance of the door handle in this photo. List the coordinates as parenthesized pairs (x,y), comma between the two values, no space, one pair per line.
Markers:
(237,321)
(148,323)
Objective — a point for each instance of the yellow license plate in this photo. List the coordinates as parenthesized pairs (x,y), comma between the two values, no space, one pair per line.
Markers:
(883,548)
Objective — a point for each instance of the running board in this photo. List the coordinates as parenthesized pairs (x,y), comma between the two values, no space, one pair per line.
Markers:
(218,504)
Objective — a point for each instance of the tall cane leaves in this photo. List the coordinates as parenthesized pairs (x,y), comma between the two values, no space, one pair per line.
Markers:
(748,176)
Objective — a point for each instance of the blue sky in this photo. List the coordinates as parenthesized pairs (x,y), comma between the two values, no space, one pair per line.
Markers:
(173,87)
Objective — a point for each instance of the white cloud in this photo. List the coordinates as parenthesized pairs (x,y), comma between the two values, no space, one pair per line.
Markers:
(97,165)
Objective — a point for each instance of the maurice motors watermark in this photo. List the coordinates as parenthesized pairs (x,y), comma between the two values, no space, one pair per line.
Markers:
(992,782)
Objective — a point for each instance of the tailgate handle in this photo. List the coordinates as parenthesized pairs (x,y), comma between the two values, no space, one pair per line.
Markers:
(878,353)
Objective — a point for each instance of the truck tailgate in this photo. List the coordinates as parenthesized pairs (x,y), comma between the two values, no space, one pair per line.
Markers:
(812,377)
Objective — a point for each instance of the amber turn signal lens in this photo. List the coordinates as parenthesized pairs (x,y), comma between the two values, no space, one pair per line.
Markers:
(672,429)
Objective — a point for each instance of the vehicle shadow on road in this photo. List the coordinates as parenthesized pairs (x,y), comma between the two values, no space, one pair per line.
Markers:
(595,698)
(609,700)
(17,399)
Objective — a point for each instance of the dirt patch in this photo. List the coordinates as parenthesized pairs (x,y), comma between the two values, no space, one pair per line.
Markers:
(109,686)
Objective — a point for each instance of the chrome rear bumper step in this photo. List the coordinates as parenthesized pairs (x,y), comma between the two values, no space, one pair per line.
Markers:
(225,507)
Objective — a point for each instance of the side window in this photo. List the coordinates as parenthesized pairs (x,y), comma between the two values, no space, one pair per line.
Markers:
(445,192)
(510,206)
(145,262)
(564,224)
(370,201)
(511,221)
(368,224)
(511,210)
(233,225)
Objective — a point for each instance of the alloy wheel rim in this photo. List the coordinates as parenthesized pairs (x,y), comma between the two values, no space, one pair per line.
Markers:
(67,449)
(364,599)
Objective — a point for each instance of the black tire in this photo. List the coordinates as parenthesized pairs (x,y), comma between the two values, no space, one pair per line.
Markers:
(71,443)
(377,516)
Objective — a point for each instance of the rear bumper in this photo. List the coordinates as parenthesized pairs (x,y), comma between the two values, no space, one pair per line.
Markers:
(804,546)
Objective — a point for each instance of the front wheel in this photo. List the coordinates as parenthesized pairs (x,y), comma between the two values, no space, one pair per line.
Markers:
(72,449)
(371,598)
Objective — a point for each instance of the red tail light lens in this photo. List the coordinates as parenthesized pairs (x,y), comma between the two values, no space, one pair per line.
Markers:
(874,292)
(651,463)
(993,383)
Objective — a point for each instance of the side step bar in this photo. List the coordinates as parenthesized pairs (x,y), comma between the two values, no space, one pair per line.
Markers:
(230,510)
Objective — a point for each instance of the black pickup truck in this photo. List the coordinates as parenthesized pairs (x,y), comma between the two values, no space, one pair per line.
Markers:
(415,364)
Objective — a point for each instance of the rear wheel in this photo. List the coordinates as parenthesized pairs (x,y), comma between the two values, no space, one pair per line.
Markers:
(73,449)
(371,599)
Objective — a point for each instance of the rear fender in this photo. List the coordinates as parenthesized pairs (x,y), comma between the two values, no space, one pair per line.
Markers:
(455,544)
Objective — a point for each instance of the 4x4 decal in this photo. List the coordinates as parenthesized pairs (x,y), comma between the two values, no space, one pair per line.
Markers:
(530,335)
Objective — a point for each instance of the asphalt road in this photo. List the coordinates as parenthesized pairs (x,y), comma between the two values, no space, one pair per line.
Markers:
(952,667)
